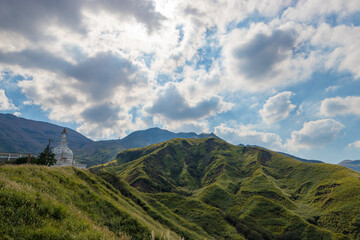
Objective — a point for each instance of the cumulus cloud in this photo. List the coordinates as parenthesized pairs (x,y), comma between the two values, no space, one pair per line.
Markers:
(339,45)
(35,58)
(172,105)
(340,106)
(277,107)
(288,49)
(101,74)
(101,114)
(33,16)
(355,144)
(5,103)
(257,57)
(266,57)
(315,134)
(98,75)
(314,10)
(79,57)
(247,135)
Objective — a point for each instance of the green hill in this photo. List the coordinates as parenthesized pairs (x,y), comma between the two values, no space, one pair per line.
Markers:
(183,188)
(68,203)
(234,191)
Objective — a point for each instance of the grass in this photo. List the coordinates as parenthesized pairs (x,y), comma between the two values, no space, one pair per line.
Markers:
(68,203)
(257,193)
(183,188)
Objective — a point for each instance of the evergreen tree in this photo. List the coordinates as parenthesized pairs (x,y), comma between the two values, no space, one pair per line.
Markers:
(46,157)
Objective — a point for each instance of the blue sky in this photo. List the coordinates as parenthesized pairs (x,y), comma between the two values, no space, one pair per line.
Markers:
(281,74)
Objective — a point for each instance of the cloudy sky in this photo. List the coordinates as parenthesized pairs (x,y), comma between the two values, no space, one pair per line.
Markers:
(281,74)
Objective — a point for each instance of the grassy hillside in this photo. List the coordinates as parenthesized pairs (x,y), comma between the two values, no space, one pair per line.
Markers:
(232,192)
(68,203)
(183,188)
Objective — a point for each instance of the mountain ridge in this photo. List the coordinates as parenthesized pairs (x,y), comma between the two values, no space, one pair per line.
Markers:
(241,185)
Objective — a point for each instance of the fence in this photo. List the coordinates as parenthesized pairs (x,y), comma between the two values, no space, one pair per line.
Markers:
(4,156)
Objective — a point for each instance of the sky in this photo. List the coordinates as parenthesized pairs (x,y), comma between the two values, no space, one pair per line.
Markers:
(280,74)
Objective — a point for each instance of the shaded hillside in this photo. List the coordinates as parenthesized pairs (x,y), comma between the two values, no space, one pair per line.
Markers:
(68,203)
(27,136)
(352,164)
(234,191)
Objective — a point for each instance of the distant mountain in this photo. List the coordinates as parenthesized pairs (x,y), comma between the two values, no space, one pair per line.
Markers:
(27,136)
(352,164)
(150,136)
(222,191)
(301,159)
(20,135)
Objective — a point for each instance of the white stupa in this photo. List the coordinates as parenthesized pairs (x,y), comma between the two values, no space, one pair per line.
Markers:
(63,155)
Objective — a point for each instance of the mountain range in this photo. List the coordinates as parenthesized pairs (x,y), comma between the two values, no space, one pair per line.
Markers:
(183,189)
(20,135)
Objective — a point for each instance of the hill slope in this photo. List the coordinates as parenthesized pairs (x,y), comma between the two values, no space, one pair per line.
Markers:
(68,203)
(352,164)
(234,191)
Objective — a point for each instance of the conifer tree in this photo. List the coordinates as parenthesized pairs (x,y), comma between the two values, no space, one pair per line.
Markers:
(47,157)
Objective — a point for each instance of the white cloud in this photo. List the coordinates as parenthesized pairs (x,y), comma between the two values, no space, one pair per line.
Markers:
(110,60)
(5,103)
(340,106)
(99,118)
(267,56)
(198,127)
(314,134)
(332,88)
(316,10)
(248,135)
(355,144)
(340,46)
(277,107)
(17,114)
(171,104)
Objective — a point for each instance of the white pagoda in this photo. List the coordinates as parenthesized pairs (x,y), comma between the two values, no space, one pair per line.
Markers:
(63,154)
